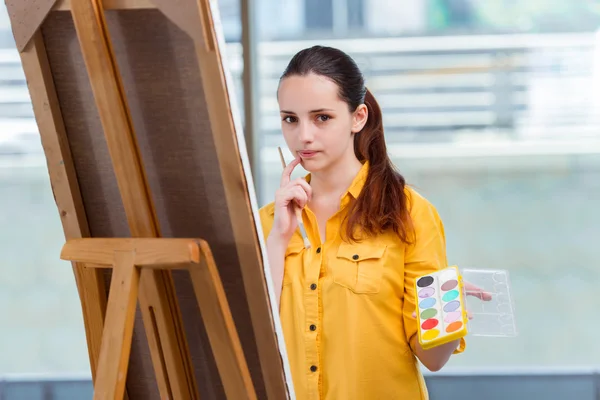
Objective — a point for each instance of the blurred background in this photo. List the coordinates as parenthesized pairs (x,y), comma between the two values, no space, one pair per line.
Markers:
(491,110)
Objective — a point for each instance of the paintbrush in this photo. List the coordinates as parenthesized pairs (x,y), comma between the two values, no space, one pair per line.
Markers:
(297,210)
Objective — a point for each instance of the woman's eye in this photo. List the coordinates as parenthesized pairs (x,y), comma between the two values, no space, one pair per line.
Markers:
(323,118)
(289,119)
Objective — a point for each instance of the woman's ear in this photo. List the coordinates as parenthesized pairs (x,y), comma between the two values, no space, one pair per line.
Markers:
(359,118)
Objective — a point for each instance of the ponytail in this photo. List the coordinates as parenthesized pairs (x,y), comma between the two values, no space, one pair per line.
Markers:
(382,203)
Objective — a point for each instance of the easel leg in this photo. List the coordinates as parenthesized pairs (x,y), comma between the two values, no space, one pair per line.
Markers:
(118,329)
(220,328)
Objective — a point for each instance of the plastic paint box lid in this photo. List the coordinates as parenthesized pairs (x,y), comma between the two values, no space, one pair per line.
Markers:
(495,317)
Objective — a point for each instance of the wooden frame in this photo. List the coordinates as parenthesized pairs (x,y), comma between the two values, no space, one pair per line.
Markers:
(65,5)
(159,309)
(161,315)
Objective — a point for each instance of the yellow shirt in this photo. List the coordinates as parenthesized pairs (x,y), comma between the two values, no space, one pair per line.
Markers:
(346,309)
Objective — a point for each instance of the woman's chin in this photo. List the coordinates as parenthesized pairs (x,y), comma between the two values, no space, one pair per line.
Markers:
(311,165)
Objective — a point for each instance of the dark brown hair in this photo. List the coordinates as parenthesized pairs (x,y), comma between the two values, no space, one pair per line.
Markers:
(382,203)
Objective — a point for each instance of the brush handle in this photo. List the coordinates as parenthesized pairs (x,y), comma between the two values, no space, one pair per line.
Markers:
(301,226)
(298,212)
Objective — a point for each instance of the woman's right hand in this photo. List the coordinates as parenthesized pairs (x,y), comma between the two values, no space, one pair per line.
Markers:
(291,194)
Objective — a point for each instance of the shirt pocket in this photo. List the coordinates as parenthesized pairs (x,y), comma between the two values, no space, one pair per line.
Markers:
(293,261)
(359,266)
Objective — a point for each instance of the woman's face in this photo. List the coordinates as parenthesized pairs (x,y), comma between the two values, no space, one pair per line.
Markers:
(317,125)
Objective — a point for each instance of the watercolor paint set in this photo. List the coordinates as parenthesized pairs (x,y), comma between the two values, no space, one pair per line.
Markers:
(452,303)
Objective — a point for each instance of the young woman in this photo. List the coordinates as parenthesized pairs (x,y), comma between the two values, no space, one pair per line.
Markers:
(346,303)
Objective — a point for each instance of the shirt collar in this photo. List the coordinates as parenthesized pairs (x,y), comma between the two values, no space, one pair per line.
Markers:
(357,183)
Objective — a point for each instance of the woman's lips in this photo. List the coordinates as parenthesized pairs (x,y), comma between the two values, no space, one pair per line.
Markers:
(307,154)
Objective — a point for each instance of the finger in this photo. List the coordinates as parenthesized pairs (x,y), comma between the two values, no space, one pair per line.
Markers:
(300,196)
(469,314)
(476,291)
(305,185)
(287,196)
(414,314)
(479,293)
(287,171)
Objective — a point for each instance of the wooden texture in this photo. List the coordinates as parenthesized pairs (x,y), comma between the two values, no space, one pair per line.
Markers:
(65,5)
(114,116)
(222,332)
(182,12)
(157,299)
(239,206)
(118,328)
(65,188)
(125,255)
(147,251)
(26,17)
(185,15)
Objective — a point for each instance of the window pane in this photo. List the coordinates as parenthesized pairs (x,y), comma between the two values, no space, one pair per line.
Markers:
(355,13)
(318,14)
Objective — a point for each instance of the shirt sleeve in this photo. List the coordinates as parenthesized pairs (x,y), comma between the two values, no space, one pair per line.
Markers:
(426,254)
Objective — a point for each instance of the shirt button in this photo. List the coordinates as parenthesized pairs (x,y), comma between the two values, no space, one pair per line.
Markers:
(313,327)
(313,286)
(355,257)
(313,368)
(318,250)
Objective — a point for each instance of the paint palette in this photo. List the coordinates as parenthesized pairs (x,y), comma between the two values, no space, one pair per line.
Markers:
(441,312)
(494,317)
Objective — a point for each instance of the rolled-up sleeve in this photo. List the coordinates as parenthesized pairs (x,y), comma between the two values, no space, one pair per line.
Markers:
(426,254)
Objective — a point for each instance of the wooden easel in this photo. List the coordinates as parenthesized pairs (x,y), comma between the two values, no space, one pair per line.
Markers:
(127,257)
(141,265)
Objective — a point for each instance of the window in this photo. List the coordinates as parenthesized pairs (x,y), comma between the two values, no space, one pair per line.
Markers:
(333,17)
(318,14)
